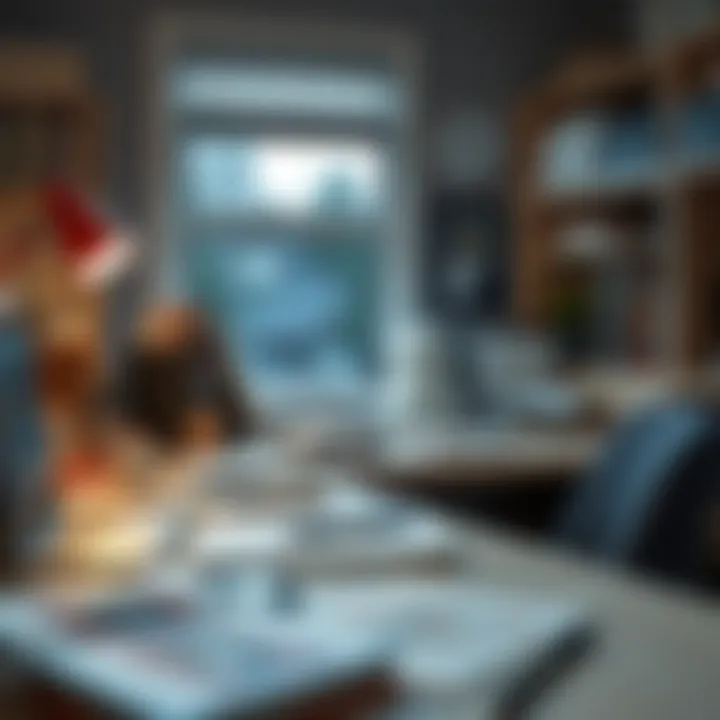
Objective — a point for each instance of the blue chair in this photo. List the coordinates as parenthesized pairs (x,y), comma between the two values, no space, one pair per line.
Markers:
(645,505)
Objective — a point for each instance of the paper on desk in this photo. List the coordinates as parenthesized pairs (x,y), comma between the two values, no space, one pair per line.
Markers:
(177,674)
(455,635)
(349,530)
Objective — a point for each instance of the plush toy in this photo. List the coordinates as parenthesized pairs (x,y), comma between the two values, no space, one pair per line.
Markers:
(57,258)
(88,254)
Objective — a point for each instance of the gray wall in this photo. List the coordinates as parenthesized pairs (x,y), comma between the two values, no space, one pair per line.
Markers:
(479,51)
(486,51)
(663,21)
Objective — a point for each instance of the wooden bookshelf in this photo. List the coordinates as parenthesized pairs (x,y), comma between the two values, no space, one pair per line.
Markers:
(675,203)
(51,123)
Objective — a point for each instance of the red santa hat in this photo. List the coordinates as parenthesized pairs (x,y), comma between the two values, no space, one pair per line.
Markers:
(97,252)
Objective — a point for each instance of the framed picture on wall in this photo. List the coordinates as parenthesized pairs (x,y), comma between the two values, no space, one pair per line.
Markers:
(465,260)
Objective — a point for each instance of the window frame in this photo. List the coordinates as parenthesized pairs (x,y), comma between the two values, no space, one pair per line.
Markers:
(170,34)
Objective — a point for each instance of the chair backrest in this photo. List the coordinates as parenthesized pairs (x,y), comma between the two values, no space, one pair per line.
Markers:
(644,503)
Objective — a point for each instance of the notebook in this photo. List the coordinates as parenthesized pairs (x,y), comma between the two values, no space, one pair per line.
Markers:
(179,666)
(460,646)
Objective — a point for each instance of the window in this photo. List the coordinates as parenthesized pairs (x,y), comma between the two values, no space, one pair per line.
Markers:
(284,178)
(285,207)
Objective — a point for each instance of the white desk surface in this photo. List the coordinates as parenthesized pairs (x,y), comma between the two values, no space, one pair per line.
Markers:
(658,654)
(658,651)
(486,455)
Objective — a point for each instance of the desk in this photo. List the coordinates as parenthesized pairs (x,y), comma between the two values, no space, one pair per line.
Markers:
(483,457)
(658,653)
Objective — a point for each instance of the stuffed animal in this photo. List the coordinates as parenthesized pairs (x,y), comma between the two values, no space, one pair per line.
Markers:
(57,259)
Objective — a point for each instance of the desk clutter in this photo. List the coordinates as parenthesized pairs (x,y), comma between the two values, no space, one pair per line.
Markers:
(232,607)
(157,657)
(247,506)
(429,650)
